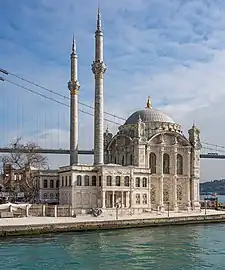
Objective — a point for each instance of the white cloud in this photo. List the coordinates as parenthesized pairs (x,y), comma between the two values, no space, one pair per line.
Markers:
(170,50)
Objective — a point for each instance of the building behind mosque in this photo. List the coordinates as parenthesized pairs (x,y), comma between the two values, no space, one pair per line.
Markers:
(147,165)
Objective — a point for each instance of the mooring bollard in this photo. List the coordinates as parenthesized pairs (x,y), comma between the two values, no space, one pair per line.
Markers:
(55,211)
(43,210)
(27,210)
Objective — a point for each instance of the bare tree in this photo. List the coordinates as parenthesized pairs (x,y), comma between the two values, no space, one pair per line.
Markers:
(29,159)
(21,164)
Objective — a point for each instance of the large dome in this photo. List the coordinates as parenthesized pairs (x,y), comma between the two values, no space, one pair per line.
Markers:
(149,115)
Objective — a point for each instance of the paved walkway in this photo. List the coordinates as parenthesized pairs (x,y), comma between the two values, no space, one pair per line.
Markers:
(104,217)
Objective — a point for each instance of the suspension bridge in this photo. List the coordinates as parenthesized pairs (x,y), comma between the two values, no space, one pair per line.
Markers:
(13,107)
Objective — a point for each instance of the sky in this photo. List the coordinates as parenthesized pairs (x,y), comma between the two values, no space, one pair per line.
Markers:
(171,50)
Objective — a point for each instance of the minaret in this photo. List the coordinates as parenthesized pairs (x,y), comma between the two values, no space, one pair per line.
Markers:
(73,86)
(98,68)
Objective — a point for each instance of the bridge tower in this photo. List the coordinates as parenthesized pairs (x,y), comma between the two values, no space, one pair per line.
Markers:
(194,138)
(73,86)
(98,68)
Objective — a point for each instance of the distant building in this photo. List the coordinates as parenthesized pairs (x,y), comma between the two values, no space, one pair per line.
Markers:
(47,186)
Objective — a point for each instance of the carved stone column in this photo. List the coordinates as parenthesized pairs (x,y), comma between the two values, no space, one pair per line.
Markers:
(149,190)
(103,199)
(160,185)
(175,206)
(161,204)
(113,199)
(127,199)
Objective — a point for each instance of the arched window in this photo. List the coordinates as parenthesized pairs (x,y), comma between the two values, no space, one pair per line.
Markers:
(152,162)
(94,180)
(108,180)
(115,160)
(118,181)
(57,183)
(123,161)
(131,159)
(144,182)
(179,164)
(51,183)
(45,183)
(137,182)
(166,163)
(86,180)
(126,181)
(79,180)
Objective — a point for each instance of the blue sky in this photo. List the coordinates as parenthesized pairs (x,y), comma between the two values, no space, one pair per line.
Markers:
(172,50)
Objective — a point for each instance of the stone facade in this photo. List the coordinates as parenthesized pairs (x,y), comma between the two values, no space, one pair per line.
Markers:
(155,167)
(47,186)
(147,165)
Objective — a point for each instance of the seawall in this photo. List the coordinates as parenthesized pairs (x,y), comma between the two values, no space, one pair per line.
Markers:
(34,229)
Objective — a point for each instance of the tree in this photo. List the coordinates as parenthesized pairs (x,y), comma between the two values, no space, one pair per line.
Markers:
(17,167)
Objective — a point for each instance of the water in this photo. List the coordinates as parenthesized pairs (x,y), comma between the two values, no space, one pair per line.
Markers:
(196,247)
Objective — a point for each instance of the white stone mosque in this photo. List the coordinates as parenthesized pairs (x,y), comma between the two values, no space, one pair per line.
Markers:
(148,165)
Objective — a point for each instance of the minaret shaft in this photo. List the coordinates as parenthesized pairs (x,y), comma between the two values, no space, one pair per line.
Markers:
(99,68)
(73,86)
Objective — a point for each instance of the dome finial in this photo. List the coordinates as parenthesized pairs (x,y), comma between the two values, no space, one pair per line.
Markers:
(148,105)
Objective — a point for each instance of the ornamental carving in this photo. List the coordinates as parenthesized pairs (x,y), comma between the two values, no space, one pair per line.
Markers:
(98,68)
(166,194)
(179,193)
(73,86)
(153,194)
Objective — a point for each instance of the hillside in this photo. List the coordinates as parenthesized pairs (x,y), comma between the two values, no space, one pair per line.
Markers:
(215,186)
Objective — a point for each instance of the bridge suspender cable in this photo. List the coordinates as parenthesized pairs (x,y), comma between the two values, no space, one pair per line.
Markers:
(51,99)
(56,93)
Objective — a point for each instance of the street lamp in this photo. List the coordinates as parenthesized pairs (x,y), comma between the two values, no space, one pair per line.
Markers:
(168,209)
(205,206)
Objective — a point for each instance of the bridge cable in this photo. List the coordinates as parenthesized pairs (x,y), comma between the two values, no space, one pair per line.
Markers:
(56,93)
(52,99)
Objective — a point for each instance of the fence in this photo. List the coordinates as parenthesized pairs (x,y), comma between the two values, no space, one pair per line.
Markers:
(42,210)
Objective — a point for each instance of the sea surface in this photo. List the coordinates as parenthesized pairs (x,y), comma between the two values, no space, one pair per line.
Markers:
(187,247)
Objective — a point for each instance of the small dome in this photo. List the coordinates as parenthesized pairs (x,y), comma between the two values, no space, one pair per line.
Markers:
(148,115)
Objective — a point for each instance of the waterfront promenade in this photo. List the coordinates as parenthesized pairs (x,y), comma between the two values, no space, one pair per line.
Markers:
(40,225)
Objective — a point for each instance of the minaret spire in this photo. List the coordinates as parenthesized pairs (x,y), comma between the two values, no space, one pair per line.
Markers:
(73,86)
(98,68)
(74,46)
(99,22)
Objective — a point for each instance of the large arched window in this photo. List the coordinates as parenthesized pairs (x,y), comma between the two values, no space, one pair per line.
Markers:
(117,181)
(45,183)
(93,180)
(86,180)
(137,182)
(126,181)
(166,163)
(108,180)
(152,162)
(131,159)
(51,183)
(123,161)
(79,180)
(179,164)
(115,160)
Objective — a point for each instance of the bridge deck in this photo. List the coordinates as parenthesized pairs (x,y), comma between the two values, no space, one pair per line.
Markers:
(80,152)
